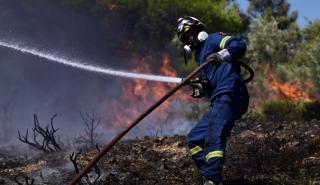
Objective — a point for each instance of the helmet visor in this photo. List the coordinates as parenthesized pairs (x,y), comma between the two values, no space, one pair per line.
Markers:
(188,36)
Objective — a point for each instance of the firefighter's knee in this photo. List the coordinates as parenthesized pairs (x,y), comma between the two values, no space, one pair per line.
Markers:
(196,137)
(194,144)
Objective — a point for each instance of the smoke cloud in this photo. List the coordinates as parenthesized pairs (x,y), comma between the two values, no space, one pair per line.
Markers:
(29,86)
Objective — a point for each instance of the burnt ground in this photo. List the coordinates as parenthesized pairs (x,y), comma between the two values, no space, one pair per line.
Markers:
(268,153)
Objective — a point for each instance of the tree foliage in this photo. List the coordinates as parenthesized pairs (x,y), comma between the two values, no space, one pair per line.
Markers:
(268,43)
(274,34)
(151,24)
(278,9)
(307,60)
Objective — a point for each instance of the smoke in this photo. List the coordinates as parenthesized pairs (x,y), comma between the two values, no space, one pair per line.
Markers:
(30,86)
(33,87)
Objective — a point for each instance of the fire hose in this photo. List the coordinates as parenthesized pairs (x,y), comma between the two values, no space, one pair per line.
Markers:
(185,81)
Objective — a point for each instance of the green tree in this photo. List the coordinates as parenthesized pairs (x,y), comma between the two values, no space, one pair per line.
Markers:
(150,24)
(306,64)
(270,47)
(274,34)
(279,9)
(268,43)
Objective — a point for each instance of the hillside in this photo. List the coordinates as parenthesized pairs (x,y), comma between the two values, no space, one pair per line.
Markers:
(267,153)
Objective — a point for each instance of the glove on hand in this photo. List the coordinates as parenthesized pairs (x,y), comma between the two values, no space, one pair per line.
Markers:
(215,57)
(199,87)
(219,57)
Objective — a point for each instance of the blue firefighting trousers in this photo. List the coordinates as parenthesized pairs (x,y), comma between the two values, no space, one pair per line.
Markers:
(207,140)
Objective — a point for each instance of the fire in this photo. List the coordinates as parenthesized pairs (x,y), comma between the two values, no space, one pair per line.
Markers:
(294,90)
(138,95)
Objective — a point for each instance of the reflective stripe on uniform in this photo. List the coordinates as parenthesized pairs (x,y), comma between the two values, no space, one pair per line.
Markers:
(217,153)
(195,150)
(224,41)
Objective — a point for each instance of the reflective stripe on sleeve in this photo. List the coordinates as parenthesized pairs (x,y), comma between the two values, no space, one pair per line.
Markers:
(217,153)
(224,41)
(195,150)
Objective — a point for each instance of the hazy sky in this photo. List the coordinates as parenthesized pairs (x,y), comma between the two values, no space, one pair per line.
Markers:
(307,9)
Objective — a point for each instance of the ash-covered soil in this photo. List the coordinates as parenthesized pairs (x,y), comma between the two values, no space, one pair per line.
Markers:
(162,160)
(264,153)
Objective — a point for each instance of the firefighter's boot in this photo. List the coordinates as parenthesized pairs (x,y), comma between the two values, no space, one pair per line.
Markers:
(209,182)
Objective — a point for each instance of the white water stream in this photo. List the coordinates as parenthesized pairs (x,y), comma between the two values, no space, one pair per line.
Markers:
(88,67)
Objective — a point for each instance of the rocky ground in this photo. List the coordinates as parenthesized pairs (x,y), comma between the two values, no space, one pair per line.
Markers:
(265,153)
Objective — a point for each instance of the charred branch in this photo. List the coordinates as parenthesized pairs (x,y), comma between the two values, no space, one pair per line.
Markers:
(25,181)
(73,158)
(98,148)
(96,172)
(43,139)
(90,137)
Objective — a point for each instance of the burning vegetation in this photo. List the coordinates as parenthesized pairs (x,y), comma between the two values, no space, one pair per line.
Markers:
(294,90)
(137,95)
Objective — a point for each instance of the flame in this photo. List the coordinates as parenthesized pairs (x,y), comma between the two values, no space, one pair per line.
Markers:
(138,95)
(293,90)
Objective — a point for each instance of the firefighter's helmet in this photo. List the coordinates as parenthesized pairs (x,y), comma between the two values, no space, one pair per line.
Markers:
(188,25)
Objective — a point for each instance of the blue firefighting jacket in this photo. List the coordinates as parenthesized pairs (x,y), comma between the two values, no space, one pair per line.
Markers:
(224,77)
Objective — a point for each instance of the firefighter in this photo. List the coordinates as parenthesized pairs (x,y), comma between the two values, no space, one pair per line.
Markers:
(227,92)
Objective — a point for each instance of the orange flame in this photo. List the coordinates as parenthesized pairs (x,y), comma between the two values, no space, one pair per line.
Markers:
(138,95)
(294,90)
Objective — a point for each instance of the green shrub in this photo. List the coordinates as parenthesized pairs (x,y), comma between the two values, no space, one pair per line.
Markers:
(283,111)
(311,110)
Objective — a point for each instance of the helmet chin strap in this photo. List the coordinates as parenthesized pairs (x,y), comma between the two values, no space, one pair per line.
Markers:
(201,37)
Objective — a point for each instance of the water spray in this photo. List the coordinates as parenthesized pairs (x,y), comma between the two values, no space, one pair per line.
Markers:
(88,67)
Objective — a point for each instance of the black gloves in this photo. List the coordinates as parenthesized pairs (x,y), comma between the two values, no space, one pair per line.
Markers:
(199,87)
